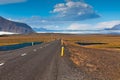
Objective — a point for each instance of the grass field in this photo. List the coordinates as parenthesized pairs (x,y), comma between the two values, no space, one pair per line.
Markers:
(99,61)
(111,41)
(96,64)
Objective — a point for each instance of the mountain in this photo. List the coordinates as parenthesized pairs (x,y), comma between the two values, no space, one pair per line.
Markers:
(116,27)
(39,29)
(15,27)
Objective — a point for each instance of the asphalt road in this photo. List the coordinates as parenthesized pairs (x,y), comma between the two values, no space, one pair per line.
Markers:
(31,63)
(39,62)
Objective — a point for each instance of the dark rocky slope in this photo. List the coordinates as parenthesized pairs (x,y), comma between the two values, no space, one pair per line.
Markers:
(15,27)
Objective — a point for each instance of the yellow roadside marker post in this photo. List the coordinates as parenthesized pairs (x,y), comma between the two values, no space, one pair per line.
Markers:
(62,49)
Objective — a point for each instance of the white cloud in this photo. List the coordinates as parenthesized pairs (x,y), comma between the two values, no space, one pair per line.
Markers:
(74,10)
(108,24)
(78,26)
(38,22)
(97,26)
(3,2)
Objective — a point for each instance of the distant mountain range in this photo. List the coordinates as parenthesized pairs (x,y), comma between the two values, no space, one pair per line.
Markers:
(105,31)
(116,27)
(22,28)
(14,27)
(39,29)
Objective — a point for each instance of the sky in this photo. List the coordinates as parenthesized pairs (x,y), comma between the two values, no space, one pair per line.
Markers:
(63,14)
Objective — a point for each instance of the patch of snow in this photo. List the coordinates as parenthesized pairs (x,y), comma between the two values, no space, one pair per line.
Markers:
(6,33)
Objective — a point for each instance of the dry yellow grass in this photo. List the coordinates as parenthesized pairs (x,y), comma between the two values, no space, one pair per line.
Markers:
(15,39)
(112,41)
(95,63)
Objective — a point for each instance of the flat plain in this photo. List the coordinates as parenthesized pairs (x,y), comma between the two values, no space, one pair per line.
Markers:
(96,56)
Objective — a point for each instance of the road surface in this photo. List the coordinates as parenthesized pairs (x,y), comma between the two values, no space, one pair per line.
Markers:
(39,62)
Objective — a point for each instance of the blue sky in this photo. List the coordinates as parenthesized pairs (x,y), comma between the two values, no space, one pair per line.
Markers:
(63,14)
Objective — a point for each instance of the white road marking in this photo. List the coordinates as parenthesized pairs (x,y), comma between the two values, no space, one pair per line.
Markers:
(34,50)
(23,54)
(2,64)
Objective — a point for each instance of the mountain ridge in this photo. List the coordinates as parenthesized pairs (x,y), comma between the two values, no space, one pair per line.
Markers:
(115,27)
(15,27)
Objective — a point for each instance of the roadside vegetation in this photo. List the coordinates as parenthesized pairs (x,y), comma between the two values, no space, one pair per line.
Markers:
(96,64)
(111,42)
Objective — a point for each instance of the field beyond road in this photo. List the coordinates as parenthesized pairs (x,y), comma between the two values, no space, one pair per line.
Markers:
(110,42)
(86,57)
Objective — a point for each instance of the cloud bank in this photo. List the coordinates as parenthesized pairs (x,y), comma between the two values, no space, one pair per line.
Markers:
(38,22)
(97,26)
(73,11)
(3,2)
(107,24)
(78,26)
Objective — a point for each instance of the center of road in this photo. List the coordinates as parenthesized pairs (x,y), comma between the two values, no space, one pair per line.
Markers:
(34,50)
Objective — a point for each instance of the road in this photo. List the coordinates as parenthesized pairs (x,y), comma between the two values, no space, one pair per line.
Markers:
(39,62)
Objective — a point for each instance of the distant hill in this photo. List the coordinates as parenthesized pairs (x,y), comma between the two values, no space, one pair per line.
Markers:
(39,29)
(14,27)
(116,27)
